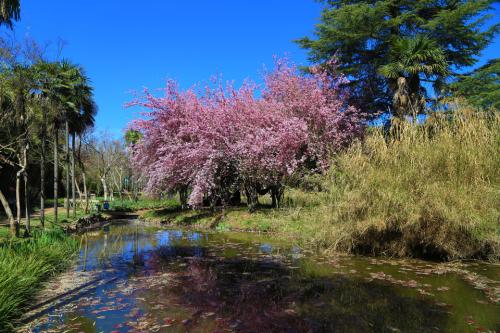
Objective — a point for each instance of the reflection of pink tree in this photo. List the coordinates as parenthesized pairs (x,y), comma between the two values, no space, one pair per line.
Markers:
(226,139)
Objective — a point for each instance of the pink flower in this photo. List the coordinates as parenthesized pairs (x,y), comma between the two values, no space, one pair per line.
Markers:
(224,138)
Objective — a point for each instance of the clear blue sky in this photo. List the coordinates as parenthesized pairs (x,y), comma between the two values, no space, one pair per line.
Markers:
(127,45)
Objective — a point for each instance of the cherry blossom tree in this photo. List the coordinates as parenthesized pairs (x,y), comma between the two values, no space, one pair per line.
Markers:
(226,140)
(320,100)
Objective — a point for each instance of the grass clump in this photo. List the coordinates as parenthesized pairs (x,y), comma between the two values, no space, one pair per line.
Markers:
(24,264)
(142,203)
(431,190)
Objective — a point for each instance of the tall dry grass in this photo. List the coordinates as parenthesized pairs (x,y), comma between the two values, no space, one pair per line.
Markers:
(431,190)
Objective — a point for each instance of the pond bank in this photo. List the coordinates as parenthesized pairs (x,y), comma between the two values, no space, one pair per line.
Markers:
(303,226)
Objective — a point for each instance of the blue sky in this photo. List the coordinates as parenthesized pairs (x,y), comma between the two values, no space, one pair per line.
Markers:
(127,45)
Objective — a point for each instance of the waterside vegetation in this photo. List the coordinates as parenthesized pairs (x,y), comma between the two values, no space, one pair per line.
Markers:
(25,264)
(426,191)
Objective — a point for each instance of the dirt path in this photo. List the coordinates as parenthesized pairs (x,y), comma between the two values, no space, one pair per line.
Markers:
(46,210)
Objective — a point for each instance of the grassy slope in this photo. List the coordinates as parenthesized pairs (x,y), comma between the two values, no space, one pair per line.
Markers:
(427,191)
(433,191)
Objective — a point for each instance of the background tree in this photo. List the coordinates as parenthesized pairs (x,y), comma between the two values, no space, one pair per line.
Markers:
(53,88)
(10,10)
(108,157)
(481,87)
(79,111)
(22,85)
(365,35)
(8,142)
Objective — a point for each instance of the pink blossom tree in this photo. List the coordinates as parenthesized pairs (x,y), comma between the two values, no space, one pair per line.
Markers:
(226,140)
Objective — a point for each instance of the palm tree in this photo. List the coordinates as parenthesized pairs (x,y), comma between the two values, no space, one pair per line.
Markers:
(9,10)
(413,60)
(81,119)
(79,114)
(68,92)
(54,89)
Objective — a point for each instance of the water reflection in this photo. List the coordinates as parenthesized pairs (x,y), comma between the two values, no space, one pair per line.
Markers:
(176,281)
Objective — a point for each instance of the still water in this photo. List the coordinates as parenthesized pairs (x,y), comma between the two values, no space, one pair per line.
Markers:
(147,279)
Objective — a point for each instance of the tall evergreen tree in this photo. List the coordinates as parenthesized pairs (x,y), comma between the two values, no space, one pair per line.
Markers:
(481,87)
(365,34)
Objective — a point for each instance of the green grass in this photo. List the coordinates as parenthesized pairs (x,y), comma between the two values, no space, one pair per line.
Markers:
(36,225)
(62,218)
(142,203)
(24,264)
(287,220)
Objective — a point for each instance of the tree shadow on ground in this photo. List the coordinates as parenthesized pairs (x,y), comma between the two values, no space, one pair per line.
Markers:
(265,295)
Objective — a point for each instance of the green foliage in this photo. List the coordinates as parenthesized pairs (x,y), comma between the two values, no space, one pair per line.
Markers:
(415,56)
(132,136)
(24,264)
(65,87)
(365,35)
(9,10)
(481,88)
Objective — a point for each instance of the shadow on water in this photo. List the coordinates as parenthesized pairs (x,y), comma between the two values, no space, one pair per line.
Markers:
(170,213)
(253,295)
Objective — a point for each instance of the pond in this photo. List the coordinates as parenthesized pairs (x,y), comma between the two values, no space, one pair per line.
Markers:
(147,279)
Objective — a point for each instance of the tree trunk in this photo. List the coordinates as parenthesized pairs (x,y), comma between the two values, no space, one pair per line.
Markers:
(18,199)
(42,170)
(104,188)
(252,197)
(14,228)
(26,191)
(276,195)
(79,191)
(183,197)
(56,172)
(66,134)
(73,181)
(85,192)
